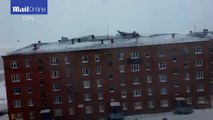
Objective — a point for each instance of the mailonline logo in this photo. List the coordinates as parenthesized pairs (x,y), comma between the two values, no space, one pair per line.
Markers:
(28,7)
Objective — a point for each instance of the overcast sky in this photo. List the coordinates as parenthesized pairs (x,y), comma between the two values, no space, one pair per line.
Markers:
(75,18)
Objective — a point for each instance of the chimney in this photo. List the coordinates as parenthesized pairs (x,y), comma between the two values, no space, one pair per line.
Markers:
(173,35)
(79,40)
(102,41)
(72,41)
(112,41)
(39,42)
(59,40)
(205,31)
(190,32)
(35,47)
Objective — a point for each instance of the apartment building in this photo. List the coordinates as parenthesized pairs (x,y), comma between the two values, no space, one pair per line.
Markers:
(91,77)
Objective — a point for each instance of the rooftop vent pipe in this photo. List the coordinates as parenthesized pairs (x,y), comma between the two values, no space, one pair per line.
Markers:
(39,41)
(79,40)
(173,35)
(102,41)
(35,47)
(73,41)
(112,41)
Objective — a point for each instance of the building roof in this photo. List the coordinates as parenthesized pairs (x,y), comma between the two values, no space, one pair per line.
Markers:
(103,42)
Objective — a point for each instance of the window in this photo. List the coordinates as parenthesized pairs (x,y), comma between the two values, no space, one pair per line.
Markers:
(40,69)
(58,112)
(88,109)
(28,76)
(147,54)
(148,66)
(56,87)
(69,86)
(87,97)
(150,92)
(67,60)
(201,100)
(16,91)
(18,116)
(186,64)
(99,83)
(13,64)
(55,74)
(136,80)
(199,75)
(138,105)
(186,50)
(151,104)
(68,72)
(71,111)
(98,70)
(70,99)
(101,108)
(53,61)
(188,89)
(198,62)
(121,68)
(135,67)
(27,63)
(111,88)
(32,115)
(161,53)
(174,58)
(149,79)
(123,94)
(84,59)
(109,63)
(85,71)
(100,96)
(163,91)
(137,93)
(30,102)
(122,82)
(30,90)
(134,55)
(125,106)
(200,87)
(187,76)
(162,65)
(175,71)
(198,50)
(17,103)
(163,78)
(15,78)
(41,82)
(189,100)
(110,76)
(57,99)
(120,56)
(97,58)
(86,84)
(164,103)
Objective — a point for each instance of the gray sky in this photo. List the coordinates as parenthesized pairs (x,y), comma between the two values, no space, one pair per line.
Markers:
(75,18)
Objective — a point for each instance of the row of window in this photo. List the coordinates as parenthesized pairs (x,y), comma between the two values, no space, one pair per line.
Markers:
(85,59)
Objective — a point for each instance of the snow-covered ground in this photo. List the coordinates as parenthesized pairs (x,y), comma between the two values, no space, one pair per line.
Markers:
(205,114)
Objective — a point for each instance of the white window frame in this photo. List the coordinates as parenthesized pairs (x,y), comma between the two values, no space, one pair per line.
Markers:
(164,103)
(32,115)
(14,64)
(98,70)
(163,78)
(121,68)
(151,104)
(15,77)
(150,91)
(28,76)
(57,100)
(201,100)
(85,71)
(186,50)
(101,108)
(149,79)
(161,53)
(198,62)
(58,112)
(100,96)
(135,67)
(124,106)
(200,87)
(187,76)
(17,104)
(188,89)
(137,93)
(148,66)
(138,105)
(56,87)
(53,61)
(97,58)
(71,111)
(147,54)
(121,56)
(67,60)
(198,50)
(134,55)
(16,91)
(87,97)
(162,65)
(68,72)
(136,80)
(99,83)
(27,63)
(122,81)
(55,74)
(69,98)
(88,109)
(199,75)
(189,100)
(86,84)
(163,90)
(30,102)
(123,94)
(84,59)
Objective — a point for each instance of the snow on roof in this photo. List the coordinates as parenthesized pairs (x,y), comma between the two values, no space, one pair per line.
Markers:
(96,43)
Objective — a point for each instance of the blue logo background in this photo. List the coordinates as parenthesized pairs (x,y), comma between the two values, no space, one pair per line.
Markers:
(32,4)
